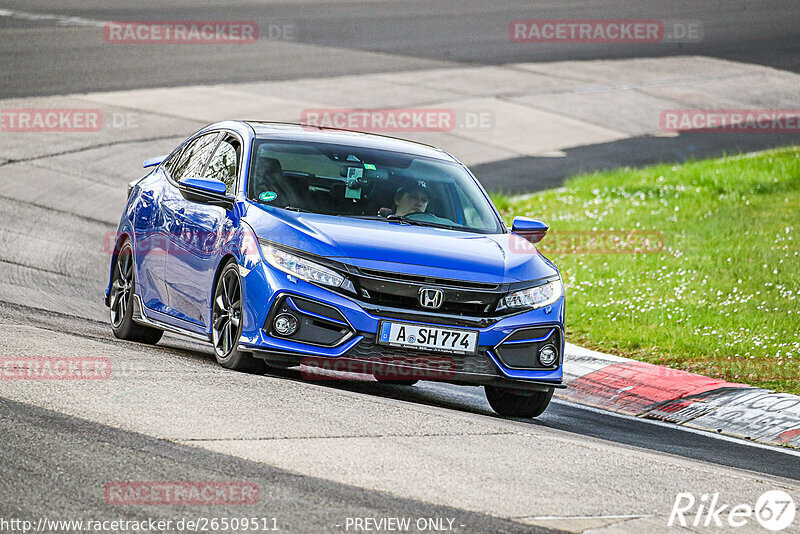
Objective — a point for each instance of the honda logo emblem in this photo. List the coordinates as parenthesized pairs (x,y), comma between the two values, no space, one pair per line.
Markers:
(431,298)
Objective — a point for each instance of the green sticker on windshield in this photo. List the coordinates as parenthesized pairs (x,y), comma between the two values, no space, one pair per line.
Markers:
(369,166)
(268,196)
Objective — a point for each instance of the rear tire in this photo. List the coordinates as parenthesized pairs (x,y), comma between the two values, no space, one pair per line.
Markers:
(226,323)
(123,286)
(516,403)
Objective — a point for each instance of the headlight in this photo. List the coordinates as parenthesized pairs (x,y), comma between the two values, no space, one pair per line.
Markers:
(534,297)
(301,268)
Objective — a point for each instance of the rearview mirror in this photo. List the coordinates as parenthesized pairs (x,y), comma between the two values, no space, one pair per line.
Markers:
(531,229)
(206,191)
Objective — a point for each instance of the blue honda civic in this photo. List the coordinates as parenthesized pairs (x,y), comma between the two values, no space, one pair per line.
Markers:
(338,252)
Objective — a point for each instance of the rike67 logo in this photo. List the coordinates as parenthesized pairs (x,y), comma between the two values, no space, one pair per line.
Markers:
(774,510)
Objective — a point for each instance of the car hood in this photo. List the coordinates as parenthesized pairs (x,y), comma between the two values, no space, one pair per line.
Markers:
(497,258)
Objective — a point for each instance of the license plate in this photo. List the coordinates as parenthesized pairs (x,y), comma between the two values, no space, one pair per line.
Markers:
(417,336)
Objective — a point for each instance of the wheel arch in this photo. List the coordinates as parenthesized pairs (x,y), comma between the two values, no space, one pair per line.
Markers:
(122,238)
(223,261)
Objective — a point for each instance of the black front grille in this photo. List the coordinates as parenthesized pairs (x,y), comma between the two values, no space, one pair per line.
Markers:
(428,280)
(412,303)
(401,291)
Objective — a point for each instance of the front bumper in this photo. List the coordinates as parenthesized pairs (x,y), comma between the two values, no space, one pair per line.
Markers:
(357,350)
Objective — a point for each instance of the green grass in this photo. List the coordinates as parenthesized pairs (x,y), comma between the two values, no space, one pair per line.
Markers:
(721,298)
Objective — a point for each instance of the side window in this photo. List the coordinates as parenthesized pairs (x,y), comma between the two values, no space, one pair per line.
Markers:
(224,164)
(172,159)
(169,163)
(194,156)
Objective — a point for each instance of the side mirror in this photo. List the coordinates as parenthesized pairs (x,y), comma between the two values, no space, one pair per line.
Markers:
(152,162)
(531,229)
(206,191)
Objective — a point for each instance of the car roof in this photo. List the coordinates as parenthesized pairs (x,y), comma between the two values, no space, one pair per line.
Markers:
(319,134)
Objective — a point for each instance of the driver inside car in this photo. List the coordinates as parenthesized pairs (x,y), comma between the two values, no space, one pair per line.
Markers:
(411,199)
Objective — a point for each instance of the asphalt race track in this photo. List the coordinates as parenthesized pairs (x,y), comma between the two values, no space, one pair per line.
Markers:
(319,452)
(351,37)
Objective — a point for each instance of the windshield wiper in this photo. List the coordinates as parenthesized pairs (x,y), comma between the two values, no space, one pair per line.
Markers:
(417,222)
(299,210)
(402,219)
(372,218)
(368,217)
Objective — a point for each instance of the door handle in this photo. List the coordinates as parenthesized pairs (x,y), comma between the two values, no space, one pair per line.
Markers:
(179,215)
(147,197)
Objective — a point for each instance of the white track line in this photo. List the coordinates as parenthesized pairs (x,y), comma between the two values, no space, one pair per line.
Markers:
(554,517)
(61,20)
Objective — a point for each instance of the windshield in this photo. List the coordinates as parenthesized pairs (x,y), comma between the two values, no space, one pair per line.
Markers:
(365,183)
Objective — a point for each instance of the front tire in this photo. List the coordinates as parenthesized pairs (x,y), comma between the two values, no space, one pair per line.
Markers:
(226,323)
(516,403)
(120,301)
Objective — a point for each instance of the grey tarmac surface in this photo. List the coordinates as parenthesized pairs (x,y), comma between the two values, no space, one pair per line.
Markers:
(65,480)
(46,57)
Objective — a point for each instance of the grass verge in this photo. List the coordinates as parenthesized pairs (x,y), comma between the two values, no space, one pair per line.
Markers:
(720,298)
